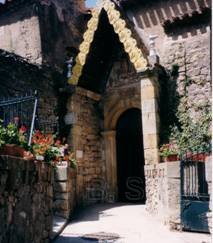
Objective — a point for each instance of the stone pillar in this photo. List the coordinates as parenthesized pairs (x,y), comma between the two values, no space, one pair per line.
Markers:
(163,192)
(150,119)
(76,145)
(75,137)
(64,190)
(111,165)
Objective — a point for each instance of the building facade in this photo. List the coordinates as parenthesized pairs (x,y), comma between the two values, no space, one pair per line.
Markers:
(134,60)
(137,63)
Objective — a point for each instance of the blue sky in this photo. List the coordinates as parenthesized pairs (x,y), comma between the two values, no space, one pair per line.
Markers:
(90,3)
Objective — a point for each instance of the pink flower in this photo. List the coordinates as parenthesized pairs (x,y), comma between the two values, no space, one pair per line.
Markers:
(57,143)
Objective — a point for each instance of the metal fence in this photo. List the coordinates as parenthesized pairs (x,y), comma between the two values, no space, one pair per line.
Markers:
(22,110)
(194,193)
(47,126)
(17,109)
(194,185)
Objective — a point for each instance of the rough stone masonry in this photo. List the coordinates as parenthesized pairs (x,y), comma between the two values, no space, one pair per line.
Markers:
(25,201)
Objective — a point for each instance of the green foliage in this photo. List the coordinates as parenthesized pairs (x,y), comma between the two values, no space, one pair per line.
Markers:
(51,154)
(11,134)
(24,145)
(73,163)
(192,134)
(2,134)
(168,149)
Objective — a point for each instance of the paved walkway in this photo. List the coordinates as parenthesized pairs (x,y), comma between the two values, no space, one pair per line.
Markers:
(130,222)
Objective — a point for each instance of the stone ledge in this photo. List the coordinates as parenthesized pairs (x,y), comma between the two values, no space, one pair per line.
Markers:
(88,93)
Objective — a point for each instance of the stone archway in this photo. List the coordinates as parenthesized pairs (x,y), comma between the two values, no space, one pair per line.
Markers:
(144,98)
(113,111)
(116,108)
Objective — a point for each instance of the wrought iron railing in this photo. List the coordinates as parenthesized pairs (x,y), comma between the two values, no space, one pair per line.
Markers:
(193,177)
(195,198)
(47,126)
(23,111)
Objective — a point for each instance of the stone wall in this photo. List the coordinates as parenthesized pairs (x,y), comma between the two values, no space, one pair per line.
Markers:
(122,73)
(62,24)
(20,33)
(86,141)
(18,78)
(163,192)
(25,201)
(64,191)
(186,45)
(192,56)
(41,30)
(122,92)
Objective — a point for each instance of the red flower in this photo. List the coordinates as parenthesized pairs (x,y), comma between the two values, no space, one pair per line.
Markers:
(22,129)
(37,133)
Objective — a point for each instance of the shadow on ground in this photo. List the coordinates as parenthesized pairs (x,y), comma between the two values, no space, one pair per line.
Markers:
(93,212)
(90,213)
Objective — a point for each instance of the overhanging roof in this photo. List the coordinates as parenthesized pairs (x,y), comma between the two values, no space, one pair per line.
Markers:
(121,27)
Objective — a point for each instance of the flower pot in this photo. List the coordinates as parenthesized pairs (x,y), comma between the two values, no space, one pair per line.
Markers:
(28,155)
(39,157)
(173,157)
(12,150)
(198,157)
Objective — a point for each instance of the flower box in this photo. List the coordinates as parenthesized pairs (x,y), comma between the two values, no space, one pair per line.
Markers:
(169,152)
(196,157)
(170,158)
(16,151)
(12,150)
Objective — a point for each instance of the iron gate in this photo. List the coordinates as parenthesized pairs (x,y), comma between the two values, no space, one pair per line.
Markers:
(194,195)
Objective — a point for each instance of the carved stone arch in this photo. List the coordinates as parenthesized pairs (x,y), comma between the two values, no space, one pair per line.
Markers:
(113,113)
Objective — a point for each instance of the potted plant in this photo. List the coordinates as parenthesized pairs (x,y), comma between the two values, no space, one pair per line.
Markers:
(23,143)
(169,152)
(13,141)
(50,150)
(63,154)
(10,141)
(41,144)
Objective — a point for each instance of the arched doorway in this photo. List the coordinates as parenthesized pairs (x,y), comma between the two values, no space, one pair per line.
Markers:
(130,157)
